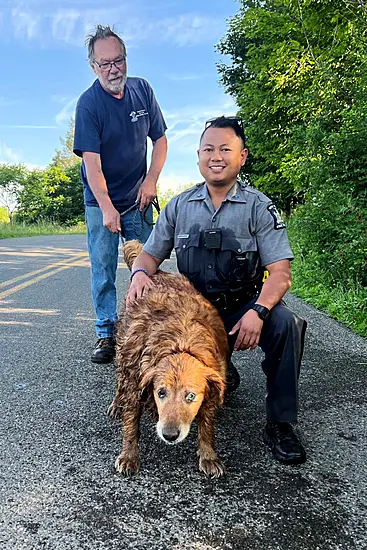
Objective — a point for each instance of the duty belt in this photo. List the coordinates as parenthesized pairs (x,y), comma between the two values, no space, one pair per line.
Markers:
(230,301)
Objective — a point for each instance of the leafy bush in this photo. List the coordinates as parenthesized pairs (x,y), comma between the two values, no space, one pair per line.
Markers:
(297,73)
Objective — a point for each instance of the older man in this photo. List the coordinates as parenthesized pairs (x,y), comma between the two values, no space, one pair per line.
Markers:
(114,118)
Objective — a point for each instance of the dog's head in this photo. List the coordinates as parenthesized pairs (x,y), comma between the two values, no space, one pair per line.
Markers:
(180,383)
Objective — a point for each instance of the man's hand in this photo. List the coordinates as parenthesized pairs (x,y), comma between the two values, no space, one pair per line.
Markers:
(147,192)
(111,219)
(140,284)
(249,327)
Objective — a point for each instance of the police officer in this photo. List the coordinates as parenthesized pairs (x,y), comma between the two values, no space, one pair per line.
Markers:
(225,234)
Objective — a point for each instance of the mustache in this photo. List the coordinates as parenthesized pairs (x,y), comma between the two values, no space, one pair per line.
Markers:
(117,84)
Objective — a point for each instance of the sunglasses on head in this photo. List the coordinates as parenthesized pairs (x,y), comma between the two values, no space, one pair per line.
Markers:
(230,118)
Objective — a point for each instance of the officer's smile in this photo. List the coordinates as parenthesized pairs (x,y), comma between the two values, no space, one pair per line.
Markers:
(216,168)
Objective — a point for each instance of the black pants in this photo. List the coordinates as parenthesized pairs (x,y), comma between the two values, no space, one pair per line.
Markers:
(282,341)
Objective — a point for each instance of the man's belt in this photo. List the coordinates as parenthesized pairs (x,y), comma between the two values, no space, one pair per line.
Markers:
(230,301)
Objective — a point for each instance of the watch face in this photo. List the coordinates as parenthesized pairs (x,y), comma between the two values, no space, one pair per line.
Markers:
(262,311)
(265,313)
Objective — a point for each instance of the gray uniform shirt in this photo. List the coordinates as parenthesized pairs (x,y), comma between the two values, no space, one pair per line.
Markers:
(252,235)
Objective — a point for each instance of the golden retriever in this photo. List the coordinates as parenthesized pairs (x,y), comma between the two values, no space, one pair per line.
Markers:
(171,358)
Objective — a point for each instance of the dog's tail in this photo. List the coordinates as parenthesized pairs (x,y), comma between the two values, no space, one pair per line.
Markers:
(131,249)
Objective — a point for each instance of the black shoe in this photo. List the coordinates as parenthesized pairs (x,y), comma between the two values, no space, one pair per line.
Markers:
(284,443)
(104,350)
(233,379)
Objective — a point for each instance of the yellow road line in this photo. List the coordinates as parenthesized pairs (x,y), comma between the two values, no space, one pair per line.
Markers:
(30,254)
(42,270)
(30,310)
(17,288)
(15,323)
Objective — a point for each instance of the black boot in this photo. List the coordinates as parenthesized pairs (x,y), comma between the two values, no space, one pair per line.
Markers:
(283,442)
(104,350)
(233,379)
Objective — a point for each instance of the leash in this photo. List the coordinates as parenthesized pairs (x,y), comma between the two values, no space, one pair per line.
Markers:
(140,215)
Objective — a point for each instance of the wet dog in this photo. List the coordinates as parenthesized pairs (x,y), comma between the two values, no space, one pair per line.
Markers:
(171,358)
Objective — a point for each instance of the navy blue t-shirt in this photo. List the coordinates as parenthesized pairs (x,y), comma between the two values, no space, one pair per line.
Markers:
(117,129)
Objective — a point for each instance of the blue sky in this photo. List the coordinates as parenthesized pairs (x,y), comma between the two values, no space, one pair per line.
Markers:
(44,70)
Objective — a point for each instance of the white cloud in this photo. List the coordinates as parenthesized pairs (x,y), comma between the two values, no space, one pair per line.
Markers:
(72,26)
(185,125)
(63,117)
(63,25)
(8,155)
(48,23)
(191,130)
(26,23)
(191,29)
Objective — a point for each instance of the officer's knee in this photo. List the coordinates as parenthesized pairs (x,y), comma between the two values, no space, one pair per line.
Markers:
(285,321)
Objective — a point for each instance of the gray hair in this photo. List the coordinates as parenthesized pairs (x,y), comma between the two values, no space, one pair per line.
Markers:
(101,33)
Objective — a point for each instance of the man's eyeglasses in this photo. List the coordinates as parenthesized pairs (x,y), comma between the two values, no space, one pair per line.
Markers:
(107,65)
(231,118)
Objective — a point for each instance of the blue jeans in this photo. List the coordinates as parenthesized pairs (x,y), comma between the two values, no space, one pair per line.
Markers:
(103,254)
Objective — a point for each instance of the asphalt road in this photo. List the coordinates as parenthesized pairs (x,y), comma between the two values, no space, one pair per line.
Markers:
(58,487)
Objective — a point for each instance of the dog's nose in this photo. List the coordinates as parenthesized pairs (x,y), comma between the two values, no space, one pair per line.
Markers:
(170,433)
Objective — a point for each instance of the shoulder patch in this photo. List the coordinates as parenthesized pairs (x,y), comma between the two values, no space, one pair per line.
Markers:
(278,222)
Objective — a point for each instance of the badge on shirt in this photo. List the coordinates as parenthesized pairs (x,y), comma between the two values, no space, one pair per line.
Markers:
(278,222)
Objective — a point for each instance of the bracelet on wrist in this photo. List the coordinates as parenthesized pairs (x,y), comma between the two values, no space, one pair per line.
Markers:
(137,271)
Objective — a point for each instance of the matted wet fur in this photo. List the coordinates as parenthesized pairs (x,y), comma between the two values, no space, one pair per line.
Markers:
(171,358)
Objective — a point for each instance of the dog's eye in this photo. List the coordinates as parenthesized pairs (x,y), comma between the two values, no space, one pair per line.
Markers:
(190,396)
(161,393)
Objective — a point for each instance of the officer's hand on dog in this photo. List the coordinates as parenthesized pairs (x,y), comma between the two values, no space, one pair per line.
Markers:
(249,329)
(139,285)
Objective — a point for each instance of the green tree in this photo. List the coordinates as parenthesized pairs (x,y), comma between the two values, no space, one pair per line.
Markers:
(298,74)
(4,215)
(33,200)
(296,65)
(12,177)
(64,158)
(68,192)
(52,195)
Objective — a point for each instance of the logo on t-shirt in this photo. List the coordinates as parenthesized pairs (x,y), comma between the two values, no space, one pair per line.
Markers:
(136,114)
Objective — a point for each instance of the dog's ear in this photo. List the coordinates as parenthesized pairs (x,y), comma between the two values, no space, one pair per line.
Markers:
(146,386)
(145,393)
(216,386)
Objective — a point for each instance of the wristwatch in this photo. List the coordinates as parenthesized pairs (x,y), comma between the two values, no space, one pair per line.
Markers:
(262,311)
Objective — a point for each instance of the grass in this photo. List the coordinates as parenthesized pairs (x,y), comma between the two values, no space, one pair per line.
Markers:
(346,304)
(8,230)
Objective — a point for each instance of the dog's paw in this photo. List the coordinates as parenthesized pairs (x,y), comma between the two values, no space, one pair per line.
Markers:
(114,411)
(126,465)
(212,467)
